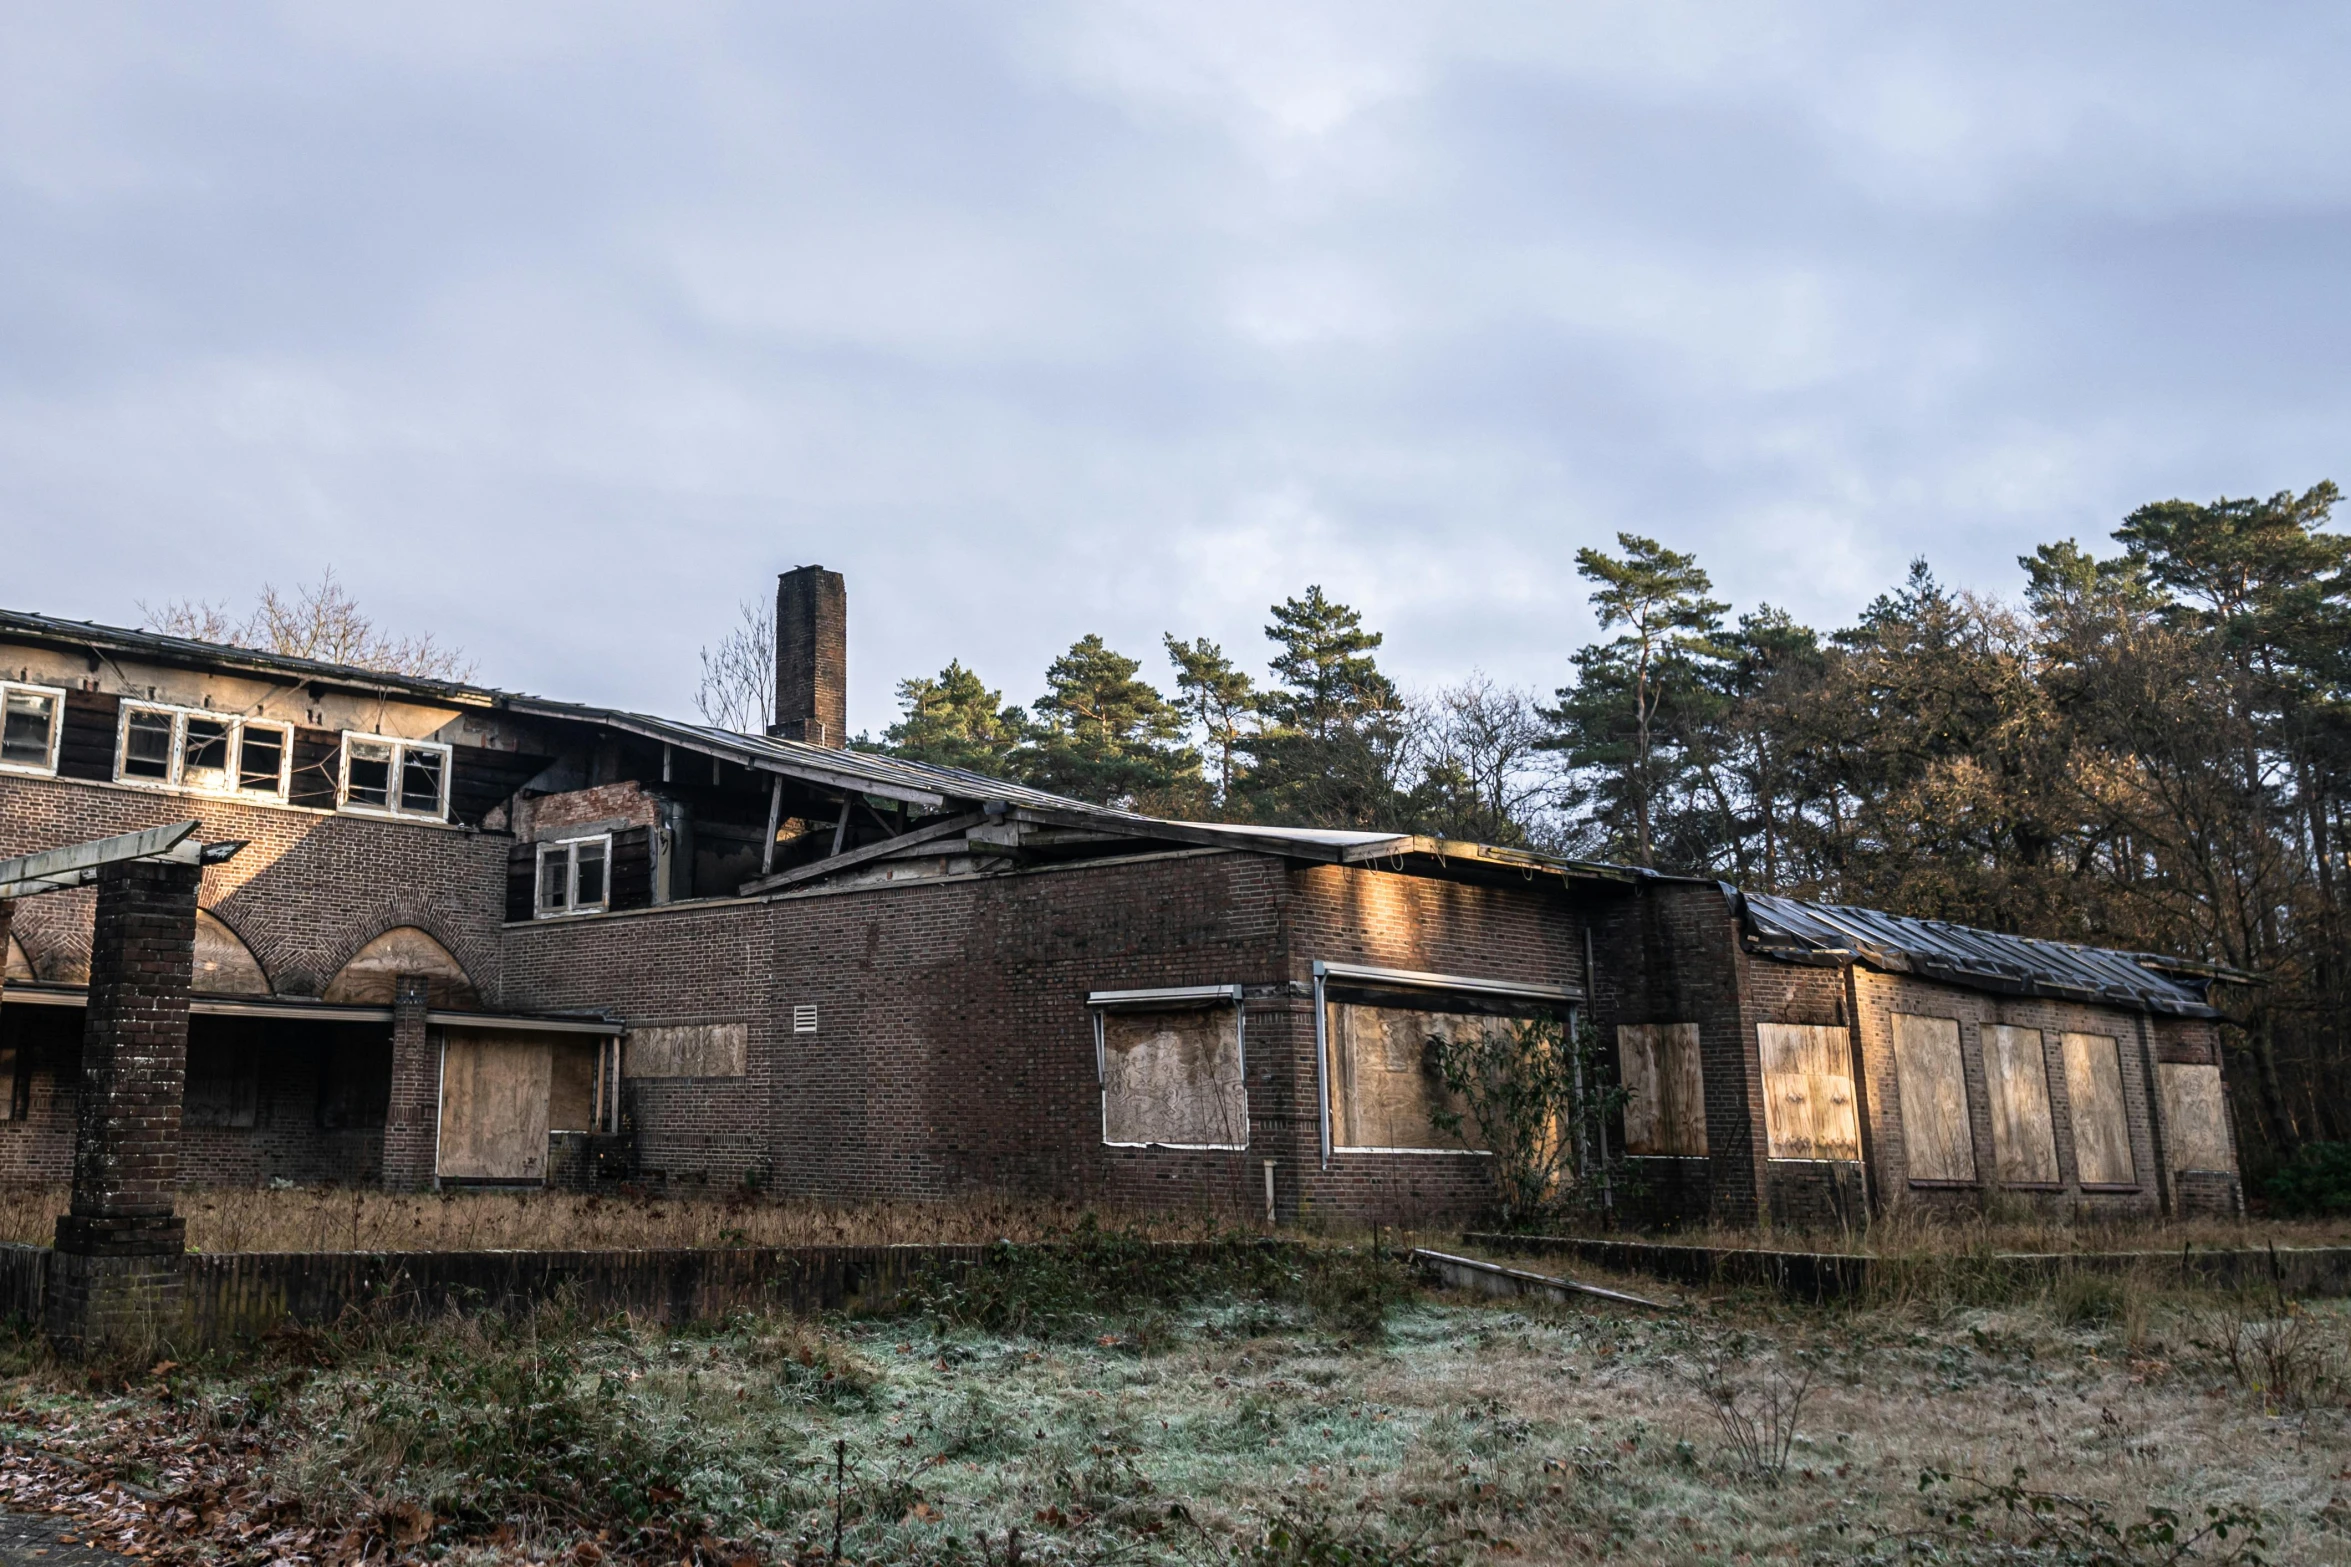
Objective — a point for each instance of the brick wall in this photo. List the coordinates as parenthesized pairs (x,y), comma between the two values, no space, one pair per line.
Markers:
(1880,996)
(310,889)
(954,1052)
(1667,952)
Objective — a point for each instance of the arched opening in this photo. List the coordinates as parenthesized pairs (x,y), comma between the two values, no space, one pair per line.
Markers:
(20,968)
(371,975)
(225,966)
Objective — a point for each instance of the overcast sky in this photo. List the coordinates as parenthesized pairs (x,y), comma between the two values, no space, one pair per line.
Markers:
(560,329)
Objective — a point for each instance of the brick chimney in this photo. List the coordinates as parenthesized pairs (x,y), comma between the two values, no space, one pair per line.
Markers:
(812,657)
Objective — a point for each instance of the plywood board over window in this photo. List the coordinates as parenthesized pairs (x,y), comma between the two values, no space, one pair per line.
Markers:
(2016,1073)
(688,1050)
(1808,1103)
(1933,1082)
(1386,1085)
(2195,1118)
(1665,1089)
(2101,1126)
(1174,1078)
(494,1100)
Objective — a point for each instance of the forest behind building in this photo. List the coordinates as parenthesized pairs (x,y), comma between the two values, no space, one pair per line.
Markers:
(2149,749)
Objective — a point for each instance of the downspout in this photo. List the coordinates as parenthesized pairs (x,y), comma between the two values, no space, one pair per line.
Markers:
(2166,1200)
(1872,1195)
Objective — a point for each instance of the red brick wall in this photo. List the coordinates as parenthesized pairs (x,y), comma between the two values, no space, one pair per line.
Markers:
(311,888)
(1882,995)
(954,1051)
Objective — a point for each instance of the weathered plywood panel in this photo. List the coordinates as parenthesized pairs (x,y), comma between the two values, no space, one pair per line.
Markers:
(2101,1126)
(494,1090)
(1384,1080)
(688,1050)
(1933,1083)
(571,1084)
(2196,1119)
(1665,1088)
(1174,1078)
(2016,1073)
(1809,1109)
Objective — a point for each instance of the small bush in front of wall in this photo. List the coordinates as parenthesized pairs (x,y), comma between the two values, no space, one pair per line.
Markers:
(2317,1180)
(1070,1286)
(1349,1292)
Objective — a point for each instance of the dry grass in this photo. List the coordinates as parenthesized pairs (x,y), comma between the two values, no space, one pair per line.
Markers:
(1915,1232)
(226,1219)
(1210,1431)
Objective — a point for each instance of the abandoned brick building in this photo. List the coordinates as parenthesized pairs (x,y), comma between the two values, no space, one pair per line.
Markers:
(477,937)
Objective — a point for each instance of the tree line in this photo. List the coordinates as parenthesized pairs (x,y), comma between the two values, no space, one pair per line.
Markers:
(2148,750)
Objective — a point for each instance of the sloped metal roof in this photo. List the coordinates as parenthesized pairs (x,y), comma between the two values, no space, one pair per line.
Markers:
(1964,956)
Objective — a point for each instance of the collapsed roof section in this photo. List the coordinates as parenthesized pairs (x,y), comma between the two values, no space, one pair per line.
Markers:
(1973,959)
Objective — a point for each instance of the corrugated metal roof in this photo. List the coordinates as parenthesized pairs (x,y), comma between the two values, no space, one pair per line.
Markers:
(1962,955)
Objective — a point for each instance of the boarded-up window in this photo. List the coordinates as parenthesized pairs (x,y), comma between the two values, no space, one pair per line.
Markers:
(1665,1092)
(571,1084)
(2016,1074)
(1384,1076)
(1174,1078)
(2195,1118)
(688,1050)
(494,1090)
(2101,1129)
(1933,1082)
(1808,1105)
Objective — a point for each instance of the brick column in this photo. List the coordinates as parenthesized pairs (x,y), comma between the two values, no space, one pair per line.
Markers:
(114,1280)
(412,1121)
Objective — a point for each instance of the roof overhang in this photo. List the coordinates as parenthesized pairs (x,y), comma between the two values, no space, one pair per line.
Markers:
(302,1010)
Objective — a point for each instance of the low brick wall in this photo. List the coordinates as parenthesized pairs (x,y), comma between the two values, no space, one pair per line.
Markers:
(235,1296)
(1825,1276)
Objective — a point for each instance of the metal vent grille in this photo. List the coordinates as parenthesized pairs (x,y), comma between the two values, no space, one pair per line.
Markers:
(804,1017)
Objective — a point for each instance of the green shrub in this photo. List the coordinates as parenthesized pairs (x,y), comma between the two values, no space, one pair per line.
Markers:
(2317,1180)
(1072,1287)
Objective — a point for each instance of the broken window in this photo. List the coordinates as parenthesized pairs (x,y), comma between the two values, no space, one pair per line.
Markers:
(574,876)
(1665,1090)
(194,748)
(2101,1126)
(1172,1067)
(395,777)
(261,760)
(1936,1141)
(29,727)
(1808,1103)
(2016,1076)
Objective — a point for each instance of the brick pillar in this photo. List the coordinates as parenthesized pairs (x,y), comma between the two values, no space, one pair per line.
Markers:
(114,1280)
(412,1122)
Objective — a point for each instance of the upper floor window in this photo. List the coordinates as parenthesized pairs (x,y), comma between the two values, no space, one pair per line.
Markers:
(395,777)
(192,748)
(575,876)
(29,725)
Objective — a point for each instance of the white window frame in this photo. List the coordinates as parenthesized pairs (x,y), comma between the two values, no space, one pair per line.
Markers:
(392,808)
(1567,998)
(174,780)
(1174,998)
(571,877)
(56,727)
